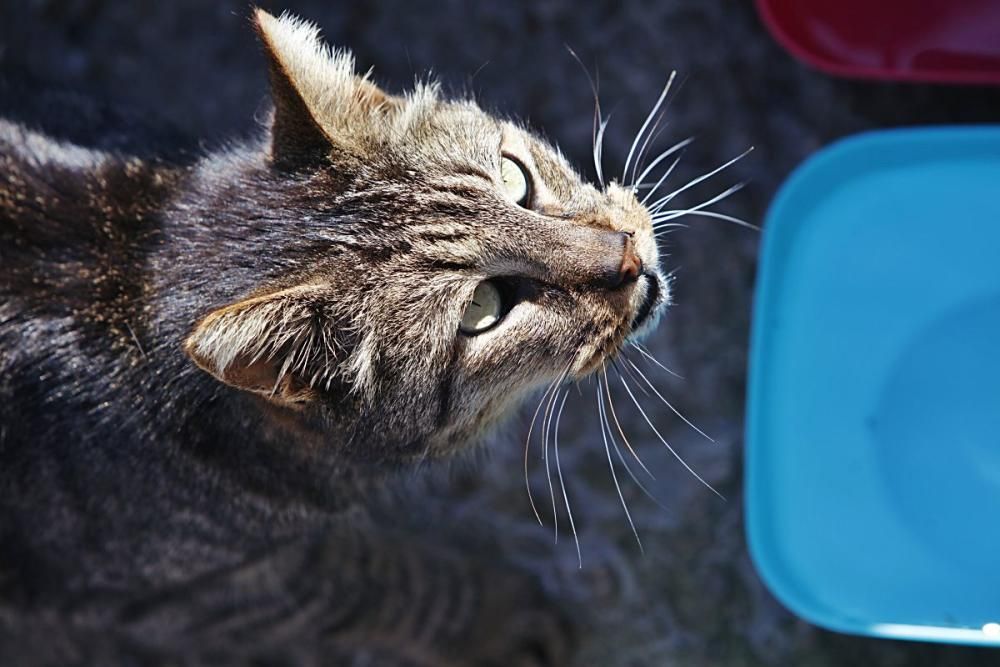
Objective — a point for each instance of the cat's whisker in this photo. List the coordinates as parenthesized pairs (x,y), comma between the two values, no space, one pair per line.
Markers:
(562,483)
(679,146)
(665,401)
(618,425)
(649,356)
(663,178)
(654,134)
(669,229)
(527,447)
(713,214)
(642,130)
(621,458)
(618,367)
(695,181)
(618,450)
(714,200)
(644,151)
(664,441)
(546,427)
(599,150)
(611,466)
(651,136)
(597,135)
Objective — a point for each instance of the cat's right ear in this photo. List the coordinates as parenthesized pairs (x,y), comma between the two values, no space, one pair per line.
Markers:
(297,139)
(318,99)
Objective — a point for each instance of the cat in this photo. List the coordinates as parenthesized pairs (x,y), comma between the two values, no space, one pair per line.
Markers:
(209,363)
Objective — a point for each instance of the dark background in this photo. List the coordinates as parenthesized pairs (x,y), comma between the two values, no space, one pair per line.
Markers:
(693,597)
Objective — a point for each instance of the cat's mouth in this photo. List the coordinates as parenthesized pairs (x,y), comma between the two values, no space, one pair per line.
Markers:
(655,296)
(648,302)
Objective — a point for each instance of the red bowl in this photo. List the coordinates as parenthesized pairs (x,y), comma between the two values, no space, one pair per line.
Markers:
(950,41)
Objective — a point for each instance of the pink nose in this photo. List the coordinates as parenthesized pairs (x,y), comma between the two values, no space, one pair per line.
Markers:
(631,267)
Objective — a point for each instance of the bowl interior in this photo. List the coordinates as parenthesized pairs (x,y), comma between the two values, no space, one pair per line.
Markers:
(873,443)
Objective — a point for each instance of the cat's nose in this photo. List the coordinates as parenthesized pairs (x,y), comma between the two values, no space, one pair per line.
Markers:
(624,269)
(631,267)
(571,254)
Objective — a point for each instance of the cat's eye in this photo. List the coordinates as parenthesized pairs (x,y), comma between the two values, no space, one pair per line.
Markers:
(485,309)
(516,185)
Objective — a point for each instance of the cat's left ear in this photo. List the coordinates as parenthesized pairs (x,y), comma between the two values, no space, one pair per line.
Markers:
(319,102)
(266,345)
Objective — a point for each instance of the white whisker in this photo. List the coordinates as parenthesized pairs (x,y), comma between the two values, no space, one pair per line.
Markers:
(621,457)
(611,465)
(660,158)
(527,446)
(653,135)
(717,198)
(621,431)
(712,214)
(663,440)
(546,425)
(669,229)
(665,401)
(695,181)
(631,374)
(663,178)
(599,149)
(597,137)
(646,353)
(650,141)
(562,483)
(642,130)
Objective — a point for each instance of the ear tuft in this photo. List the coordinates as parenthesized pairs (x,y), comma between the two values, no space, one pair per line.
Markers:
(268,345)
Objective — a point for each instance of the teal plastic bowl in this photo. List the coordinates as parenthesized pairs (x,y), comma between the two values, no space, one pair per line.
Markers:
(873,424)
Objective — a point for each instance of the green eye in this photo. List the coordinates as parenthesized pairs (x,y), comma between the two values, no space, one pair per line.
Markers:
(484,310)
(516,186)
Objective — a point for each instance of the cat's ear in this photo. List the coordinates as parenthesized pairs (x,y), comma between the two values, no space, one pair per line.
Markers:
(317,95)
(265,345)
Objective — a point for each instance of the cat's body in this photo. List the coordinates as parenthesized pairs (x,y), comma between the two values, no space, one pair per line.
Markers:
(140,495)
(319,276)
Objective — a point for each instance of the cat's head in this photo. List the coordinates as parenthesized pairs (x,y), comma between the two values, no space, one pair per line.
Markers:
(442,262)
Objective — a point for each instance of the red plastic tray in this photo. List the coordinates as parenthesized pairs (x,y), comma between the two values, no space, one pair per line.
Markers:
(951,41)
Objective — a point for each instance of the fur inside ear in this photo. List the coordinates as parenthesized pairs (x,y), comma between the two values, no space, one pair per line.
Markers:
(276,345)
(317,96)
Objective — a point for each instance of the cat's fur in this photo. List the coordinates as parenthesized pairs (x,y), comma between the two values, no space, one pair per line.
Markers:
(203,365)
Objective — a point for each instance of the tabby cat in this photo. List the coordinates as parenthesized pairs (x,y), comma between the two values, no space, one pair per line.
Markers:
(207,364)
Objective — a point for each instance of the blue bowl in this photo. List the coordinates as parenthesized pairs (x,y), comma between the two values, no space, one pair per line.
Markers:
(873,426)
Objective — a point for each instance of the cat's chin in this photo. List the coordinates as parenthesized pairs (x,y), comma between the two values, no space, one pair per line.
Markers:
(654,303)
(646,327)
(601,356)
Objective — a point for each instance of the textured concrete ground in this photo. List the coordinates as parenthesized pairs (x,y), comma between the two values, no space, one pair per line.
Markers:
(693,597)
